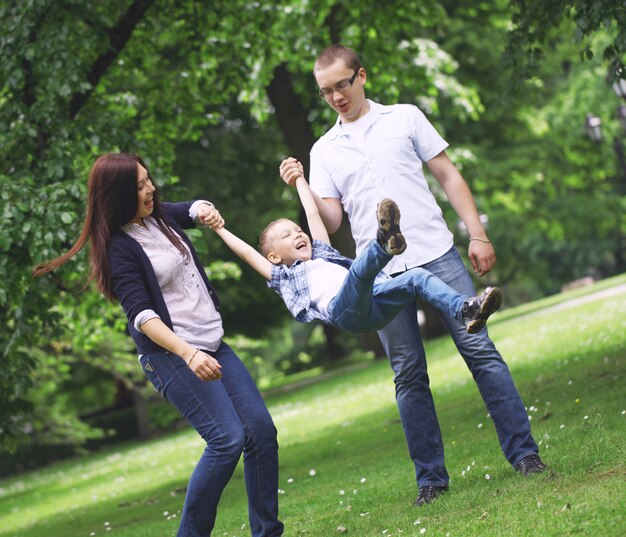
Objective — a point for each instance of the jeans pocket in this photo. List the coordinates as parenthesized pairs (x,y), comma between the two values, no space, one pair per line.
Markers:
(151,374)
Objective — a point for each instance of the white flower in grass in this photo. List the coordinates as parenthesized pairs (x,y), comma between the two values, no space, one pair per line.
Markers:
(355,491)
(623,412)
(480,425)
(363,480)
(365,514)
(538,505)
(312,472)
(290,480)
(342,492)
(586,418)
(92,533)
(487,477)
(562,426)
(107,523)
(423,530)
(417,522)
(570,382)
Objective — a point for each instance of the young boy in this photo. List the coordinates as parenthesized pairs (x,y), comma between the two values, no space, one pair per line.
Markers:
(317,282)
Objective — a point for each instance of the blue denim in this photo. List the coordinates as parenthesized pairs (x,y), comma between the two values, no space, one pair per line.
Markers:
(365,303)
(403,344)
(231,416)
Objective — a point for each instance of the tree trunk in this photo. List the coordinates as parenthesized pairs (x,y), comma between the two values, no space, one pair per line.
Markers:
(141,413)
(292,119)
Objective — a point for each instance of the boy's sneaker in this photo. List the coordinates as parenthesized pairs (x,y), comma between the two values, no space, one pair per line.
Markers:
(477,309)
(389,236)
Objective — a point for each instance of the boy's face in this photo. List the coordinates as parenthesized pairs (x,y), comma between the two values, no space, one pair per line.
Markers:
(288,244)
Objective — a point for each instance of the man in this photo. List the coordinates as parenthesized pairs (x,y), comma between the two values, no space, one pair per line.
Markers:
(375,151)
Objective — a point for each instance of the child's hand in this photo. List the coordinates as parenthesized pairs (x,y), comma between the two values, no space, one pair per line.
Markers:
(290,169)
(210,216)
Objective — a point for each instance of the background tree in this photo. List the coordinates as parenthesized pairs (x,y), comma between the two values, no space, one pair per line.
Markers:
(213,96)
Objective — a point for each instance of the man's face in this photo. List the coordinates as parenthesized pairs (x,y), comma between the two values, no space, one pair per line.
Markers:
(345,98)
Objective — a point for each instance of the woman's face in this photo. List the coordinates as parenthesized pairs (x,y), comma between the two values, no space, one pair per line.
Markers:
(145,189)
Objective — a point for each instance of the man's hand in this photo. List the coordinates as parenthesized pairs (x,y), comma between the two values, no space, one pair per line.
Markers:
(482,256)
(290,169)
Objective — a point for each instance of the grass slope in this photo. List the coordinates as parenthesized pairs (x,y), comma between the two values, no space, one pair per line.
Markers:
(344,462)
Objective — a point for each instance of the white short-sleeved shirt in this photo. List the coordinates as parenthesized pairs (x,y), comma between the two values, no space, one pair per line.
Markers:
(324,280)
(387,164)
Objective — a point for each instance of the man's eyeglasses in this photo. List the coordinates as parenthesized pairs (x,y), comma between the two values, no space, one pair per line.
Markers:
(341,86)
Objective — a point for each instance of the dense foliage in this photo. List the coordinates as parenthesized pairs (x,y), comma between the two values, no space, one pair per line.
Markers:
(214,95)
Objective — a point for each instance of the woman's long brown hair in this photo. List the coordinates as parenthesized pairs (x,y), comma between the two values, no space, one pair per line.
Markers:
(112,202)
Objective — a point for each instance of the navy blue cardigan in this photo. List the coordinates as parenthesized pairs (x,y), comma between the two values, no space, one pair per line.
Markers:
(133,279)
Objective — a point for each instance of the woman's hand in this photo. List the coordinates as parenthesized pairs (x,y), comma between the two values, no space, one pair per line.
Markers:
(210,216)
(204,366)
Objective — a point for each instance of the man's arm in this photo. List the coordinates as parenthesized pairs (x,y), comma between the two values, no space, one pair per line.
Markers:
(330,209)
(246,252)
(481,254)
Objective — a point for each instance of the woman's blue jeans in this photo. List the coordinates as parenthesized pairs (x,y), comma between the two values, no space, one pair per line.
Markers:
(366,302)
(231,416)
(403,345)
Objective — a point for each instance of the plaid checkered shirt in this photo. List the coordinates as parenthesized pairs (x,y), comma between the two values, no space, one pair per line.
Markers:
(290,282)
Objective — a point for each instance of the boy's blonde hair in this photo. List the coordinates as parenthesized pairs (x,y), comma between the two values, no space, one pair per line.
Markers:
(265,240)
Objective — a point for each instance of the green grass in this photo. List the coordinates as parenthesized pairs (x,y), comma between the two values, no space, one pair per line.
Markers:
(569,368)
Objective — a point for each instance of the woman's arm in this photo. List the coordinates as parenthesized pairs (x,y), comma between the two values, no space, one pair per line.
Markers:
(202,364)
(246,252)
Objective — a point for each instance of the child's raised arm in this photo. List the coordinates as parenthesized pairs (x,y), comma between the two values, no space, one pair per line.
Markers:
(246,252)
(316,225)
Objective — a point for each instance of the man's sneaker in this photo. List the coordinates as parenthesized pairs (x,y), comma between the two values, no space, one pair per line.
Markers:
(389,236)
(477,309)
(531,464)
(428,493)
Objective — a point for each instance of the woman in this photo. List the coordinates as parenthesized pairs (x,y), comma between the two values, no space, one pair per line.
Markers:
(141,256)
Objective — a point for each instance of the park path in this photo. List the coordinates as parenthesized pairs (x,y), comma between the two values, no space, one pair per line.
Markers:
(566,304)
(591,297)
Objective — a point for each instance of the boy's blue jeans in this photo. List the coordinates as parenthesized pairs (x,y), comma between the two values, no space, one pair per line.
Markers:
(403,345)
(231,417)
(366,302)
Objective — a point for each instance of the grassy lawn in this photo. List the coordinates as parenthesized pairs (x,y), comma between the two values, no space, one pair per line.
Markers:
(344,461)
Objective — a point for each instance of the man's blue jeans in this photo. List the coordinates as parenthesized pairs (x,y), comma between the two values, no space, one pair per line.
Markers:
(231,417)
(366,302)
(403,344)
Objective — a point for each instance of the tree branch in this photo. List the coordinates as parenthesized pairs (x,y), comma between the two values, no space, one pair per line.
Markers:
(120,35)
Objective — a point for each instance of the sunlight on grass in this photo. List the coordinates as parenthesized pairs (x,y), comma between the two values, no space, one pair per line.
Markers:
(344,461)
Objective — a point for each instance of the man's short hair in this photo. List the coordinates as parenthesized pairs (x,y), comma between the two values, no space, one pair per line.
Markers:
(335,52)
